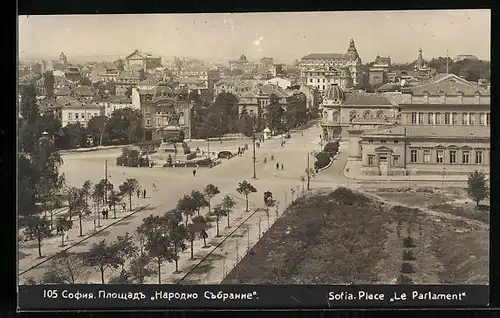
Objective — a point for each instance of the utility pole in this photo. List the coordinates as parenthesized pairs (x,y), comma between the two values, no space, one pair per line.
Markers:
(106,181)
(308,173)
(254,157)
(208,147)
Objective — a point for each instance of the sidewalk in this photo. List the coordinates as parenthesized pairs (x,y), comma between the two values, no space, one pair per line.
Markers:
(353,171)
(68,151)
(28,251)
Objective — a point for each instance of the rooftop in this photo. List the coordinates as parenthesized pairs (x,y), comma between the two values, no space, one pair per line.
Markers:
(449,84)
(358,98)
(314,56)
(84,91)
(448,130)
(71,102)
(266,90)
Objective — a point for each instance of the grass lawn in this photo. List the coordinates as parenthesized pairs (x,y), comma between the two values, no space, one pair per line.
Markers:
(344,237)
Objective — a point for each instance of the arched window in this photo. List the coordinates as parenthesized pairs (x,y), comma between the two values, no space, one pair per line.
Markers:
(352,114)
(367,114)
(380,114)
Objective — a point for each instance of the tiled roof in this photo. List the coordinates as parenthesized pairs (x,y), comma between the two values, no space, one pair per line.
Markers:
(266,90)
(394,97)
(358,98)
(64,91)
(448,130)
(389,87)
(449,84)
(127,75)
(325,56)
(190,81)
(82,91)
(117,99)
(150,81)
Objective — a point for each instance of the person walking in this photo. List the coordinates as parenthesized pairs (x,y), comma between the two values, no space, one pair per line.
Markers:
(282,167)
(194,172)
(138,193)
(144,194)
(124,207)
(154,186)
(277,166)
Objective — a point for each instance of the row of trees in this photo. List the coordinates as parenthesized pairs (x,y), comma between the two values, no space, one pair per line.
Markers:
(83,203)
(222,117)
(158,240)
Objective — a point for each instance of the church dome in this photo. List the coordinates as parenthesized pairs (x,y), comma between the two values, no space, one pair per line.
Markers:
(334,93)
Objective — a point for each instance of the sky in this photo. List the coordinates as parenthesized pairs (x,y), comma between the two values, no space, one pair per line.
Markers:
(284,36)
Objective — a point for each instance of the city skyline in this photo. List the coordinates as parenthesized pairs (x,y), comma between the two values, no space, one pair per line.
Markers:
(226,36)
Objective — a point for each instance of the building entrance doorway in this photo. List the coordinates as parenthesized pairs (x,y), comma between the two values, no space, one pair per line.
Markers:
(382,165)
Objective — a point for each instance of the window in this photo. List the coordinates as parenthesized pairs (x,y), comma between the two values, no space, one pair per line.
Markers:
(413,155)
(96,114)
(453,156)
(454,119)
(479,156)
(396,160)
(83,115)
(158,121)
(148,122)
(420,118)
(383,141)
(472,118)
(446,118)
(413,118)
(76,116)
(310,80)
(370,160)
(323,80)
(427,156)
(487,119)
(70,116)
(438,119)
(430,119)
(481,119)
(439,156)
(370,141)
(465,119)
(465,157)
(323,87)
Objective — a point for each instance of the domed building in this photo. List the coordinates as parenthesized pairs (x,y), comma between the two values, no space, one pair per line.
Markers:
(331,123)
(320,70)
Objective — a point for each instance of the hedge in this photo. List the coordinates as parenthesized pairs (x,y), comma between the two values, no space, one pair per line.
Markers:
(322,160)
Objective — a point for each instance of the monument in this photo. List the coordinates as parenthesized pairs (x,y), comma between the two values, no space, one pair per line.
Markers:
(173,144)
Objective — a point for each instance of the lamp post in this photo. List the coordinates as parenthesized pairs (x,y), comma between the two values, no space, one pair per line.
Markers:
(444,175)
(208,147)
(254,158)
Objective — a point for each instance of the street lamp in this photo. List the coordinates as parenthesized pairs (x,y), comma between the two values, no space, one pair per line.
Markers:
(208,147)
(254,158)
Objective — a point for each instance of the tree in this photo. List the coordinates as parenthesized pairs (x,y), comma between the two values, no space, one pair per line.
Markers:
(191,236)
(159,247)
(70,265)
(39,228)
(310,173)
(62,226)
(477,188)
(126,125)
(199,199)
(50,124)
(201,225)
(87,185)
(245,188)
(119,64)
(113,199)
(246,123)
(85,81)
(228,204)
(72,136)
(102,257)
(124,248)
(48,82)
(28,175)
(129,187)
(187,206)
(210,192)
(54,276)
(96,129)
(219,211)
(177,232)
(49,196)
(269,202)
(274,114)
(78,206)
(140,268)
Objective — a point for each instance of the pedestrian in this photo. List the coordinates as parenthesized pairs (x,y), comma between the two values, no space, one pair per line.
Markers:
(277,166)
(239,151)
(220,139)
(265,159)
(144,193)
(138,193)
(154,186)
(124,207)
(194,172)
(106,214)
(272,157)
(67,238)
(103,213)
(282,167)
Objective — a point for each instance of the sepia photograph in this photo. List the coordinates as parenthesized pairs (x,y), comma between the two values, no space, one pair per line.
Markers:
(310,148)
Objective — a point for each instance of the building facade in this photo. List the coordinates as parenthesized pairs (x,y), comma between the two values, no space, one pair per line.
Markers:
(444,130)
(72,111)
(256,100)
(115,102)
(125,81)
(242,64)
(138,60)
(160,107)
(321,70)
